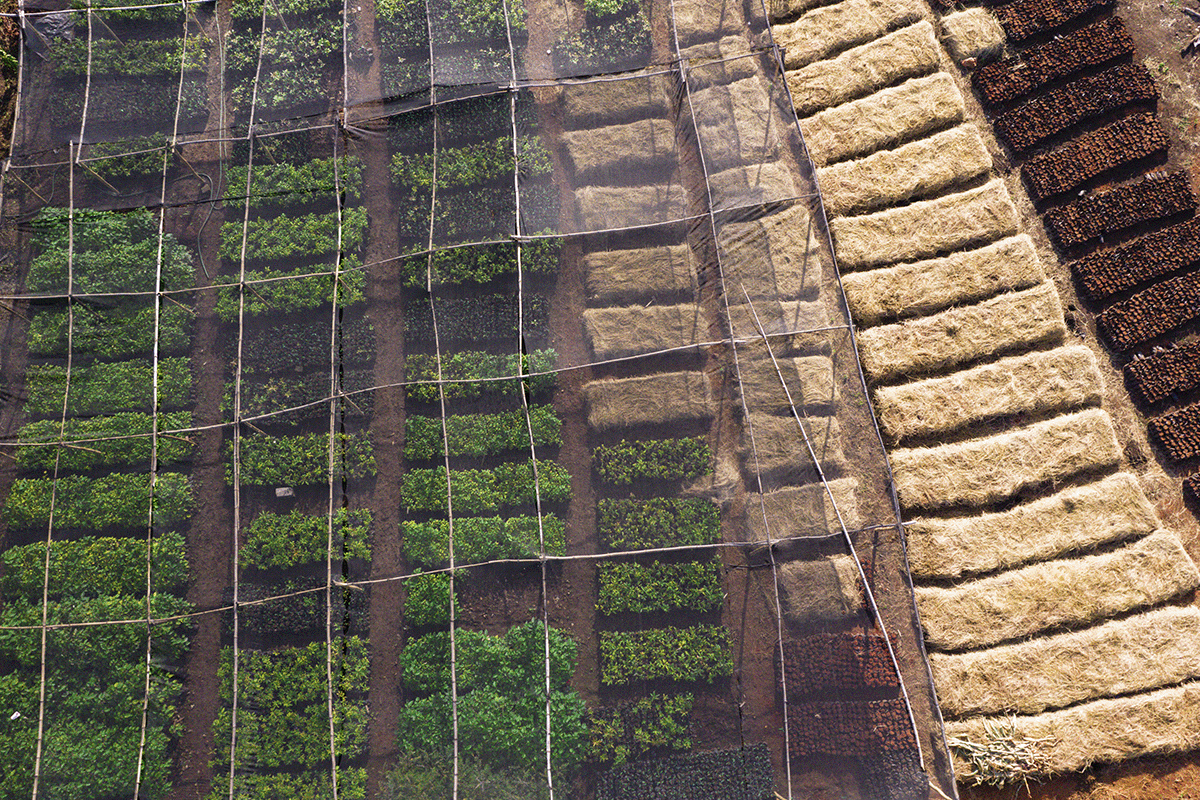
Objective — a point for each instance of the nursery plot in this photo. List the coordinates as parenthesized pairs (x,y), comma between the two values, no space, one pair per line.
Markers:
(1113,210)
(1107,272)
(1164,374)
(1025,18)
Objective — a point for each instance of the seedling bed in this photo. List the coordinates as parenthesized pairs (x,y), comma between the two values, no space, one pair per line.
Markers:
(842,661)
(1119,143)
(848,728)
(1178,432)
(1153,312)
(1107,272)
(1123,207)
(1165,374)
(1022,19)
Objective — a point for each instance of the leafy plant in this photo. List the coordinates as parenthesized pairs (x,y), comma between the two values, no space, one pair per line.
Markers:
(428,598)
(298,605)
(305,236)
(473,318)
(657,522)
(95,566)
(658,721)
(105,388)
(698,653)
(89,454)
(659,586)
(282,292)
(479,490)
(117,500)
(130,57)
(470,373)
(480,539)
(314,784)
(288,540)
(480,263)
(480,434)
(654,459)
(301,459)
(288,183)
(112,331)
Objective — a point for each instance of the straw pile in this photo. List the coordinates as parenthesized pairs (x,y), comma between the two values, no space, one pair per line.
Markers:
(926,287)
(809,381)
(974,33)
(747,104)
(780,10)
(778,447)
(991,469)
(616,148)
(751,185)
(913,108)
(802,511)
(828,590)
(610,207)
(927,228)
(634,330)
(824,31)
(1051,380)
(616,274)
(706,19)
(720,61)
(861,70)
(916,169)
(1163,721)
(652,399)
(1074,591)
(1075,519)
(776,317)
(1146,651)
(776,256)
(599,102)
(959,335)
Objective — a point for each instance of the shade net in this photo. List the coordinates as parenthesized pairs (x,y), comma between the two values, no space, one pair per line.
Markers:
(436,399)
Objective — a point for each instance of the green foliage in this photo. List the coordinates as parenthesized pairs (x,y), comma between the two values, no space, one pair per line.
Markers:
(251,10)
(105,388)
(471,164)
(283,292)
(270,393)
(502,701)
(304,236)
(124,330)
(90,567)
(113,252)
(421,775)
(299,605)
(315,784)
(492,316)
(698,653)
(288,540)
(302,459)
(290,677)
(476,491)
(469,214)
(287,183)
(472,373)
(480,263)
(631,731)
(124,158)
(611,42)
(654,459)
(296,346)
(122,10)
(428,598)
(659,586)
(657,522)
(117,500)
(90,455)
(480,434)
(130,57)
(282,46)
(480,539)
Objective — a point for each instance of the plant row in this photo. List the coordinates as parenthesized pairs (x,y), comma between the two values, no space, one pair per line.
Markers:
(482,162)
(108,252)
(289,183)
(460,122)
(512,662)
(471,373)
(110,330)
(1116,144)
(1106,272)
(299,606)
(82,452)
(630,731)
(304,236)
(291,677)
(1191,487)
(113,102)
(480,434)
(657,522)
(477,213)
(427,598)
(1095,44)
(1060,109)
(1128,205)
(1178,432)
(743,773)
(403,23)
(492,316)
(627,463)
(125,158)
(1022,19)
(137,10)
(838,661)
(659,586)
(481,539)
(480,263)
(281,541)
(293,346)
(281,45)
(860,729)
(271,291)
(1152,312)
(288,10)
(302,459)
(615,37)
(117,500)
(314,784)
(272,394)
(1165,374)
(95,566)
(130,57)
(697,653)
(476,491)
(106,387)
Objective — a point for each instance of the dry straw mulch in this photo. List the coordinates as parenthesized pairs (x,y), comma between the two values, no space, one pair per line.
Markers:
(822,32)
(663,398)
(978,472)
(614,148)
(610,207)
(883,119)
(1017,320)
(823,591)
(905,53)
(1061,379)
(1074,519)
(1072,591)
(916,169)
(796,511)
(635,330)
(809,381)
(613,275)
(778,256)
(920,288)
(778,446)
(974,33)
(1145,651)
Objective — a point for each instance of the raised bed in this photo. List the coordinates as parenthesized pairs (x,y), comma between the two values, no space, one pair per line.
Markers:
(1152,312)
(1095,44)
(1116,144)
(824,31)
(737,774)
(838,661)
(849,728)
(1060,109)
(1191,487)
(1113,210)
(1107,272)
(1022,19)
(1164,374)
(1178,432)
